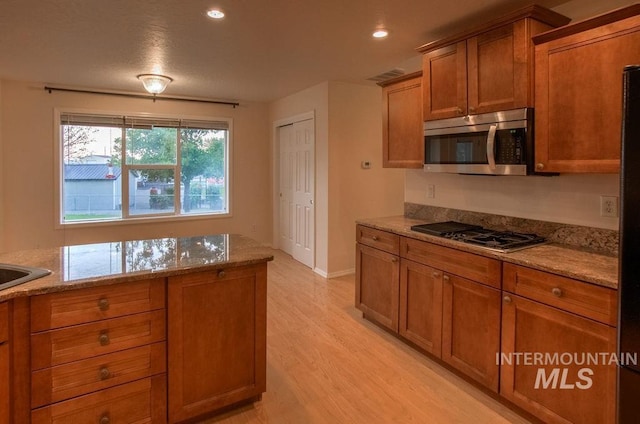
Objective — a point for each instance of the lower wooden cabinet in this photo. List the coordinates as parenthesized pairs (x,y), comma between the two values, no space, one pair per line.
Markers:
(5,366)
(421,306)
(564,389)
(143,401)
(377,285)
(471,329)
(216,339)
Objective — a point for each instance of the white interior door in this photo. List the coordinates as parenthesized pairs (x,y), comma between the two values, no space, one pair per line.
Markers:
(287,162)
(297,183)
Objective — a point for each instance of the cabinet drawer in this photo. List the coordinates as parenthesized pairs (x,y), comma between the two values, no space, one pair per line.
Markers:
(55,347)
(143,401)
(382,240)
(474,267)
(63,382)
(588,300)
(86,305)
(4,322)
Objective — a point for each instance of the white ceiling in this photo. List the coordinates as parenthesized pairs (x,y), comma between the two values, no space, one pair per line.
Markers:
(263,50)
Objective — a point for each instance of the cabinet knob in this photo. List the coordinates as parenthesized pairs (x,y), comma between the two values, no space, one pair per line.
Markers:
(557,291)
(104,420)
(460,111)
(104,338)
(445,278)
(374,238)
(394,259)
(507,299)
(103,304)
(436,274)
(540,166)
(221,273)
(104,373)
(472,109)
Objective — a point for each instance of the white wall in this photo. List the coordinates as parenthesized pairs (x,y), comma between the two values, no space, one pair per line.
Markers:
(27,164)
(569,199)
(348,131)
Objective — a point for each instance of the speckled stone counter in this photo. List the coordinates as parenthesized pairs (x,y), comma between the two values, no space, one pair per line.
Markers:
(559,259)
(118,262)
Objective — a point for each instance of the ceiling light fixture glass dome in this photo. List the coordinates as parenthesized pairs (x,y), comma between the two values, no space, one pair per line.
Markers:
(380,33)
(154,83)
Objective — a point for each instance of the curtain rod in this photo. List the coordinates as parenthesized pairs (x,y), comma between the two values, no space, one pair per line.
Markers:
(141,96)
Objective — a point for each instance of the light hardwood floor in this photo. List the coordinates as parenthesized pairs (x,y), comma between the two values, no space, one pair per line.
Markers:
(326,364)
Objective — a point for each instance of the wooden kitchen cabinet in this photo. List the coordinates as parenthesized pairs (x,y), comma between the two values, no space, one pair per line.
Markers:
(469,289)
(421,306)
(548,321)
(216,339)
(485,69)
(378,275)
(5,366)
(402,124)
(99,354)
(578,92)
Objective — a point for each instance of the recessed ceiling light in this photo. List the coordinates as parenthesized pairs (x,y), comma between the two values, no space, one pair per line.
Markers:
(380,33)
(215,14)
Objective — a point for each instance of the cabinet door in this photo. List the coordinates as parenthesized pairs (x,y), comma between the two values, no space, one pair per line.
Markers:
(378,285)
(557,393)
(471,329)
(421,305)
(216,340)
(402,125)
(578,90)
(4,382)
(498,69)
(444,82)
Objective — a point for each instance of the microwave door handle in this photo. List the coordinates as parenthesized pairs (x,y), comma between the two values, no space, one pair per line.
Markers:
(491,142)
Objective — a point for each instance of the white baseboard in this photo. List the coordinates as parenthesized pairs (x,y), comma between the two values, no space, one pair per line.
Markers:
(336,274)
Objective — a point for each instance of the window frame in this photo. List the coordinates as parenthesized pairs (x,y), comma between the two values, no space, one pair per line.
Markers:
(127,219)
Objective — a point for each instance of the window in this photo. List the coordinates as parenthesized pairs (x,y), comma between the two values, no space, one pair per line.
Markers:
(123,167)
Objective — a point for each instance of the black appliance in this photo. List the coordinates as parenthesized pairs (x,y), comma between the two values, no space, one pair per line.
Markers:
(497,241)
(629,269)
(499,143)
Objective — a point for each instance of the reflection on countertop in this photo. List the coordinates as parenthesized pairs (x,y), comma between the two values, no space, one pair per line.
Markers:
(130,260)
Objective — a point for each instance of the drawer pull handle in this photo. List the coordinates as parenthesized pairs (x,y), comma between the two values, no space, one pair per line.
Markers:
(445,278)
(507,299)
(103,304)
(104,420)
(221,274)
(104,373)
(104,338)
(557,292)
(374,238)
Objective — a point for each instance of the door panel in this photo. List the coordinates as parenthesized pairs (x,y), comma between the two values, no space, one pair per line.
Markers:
(286,188)
(303,192)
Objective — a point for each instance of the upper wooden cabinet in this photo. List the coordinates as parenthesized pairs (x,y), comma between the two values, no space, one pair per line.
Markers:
(486,69)
(578,92)
(402,134)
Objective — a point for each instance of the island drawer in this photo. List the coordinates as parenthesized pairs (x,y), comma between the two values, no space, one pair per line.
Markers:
(59,346)
(73,307)
(587,300)
(4,322)
(55,384)
(378,239)
(468,265)
(142,401)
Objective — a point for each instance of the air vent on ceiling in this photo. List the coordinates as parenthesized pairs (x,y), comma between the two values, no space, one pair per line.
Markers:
(387,75)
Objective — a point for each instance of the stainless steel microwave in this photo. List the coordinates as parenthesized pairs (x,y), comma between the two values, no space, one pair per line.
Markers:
(499,143)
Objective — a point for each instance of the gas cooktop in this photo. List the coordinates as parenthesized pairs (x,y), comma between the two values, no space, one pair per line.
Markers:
(497,241)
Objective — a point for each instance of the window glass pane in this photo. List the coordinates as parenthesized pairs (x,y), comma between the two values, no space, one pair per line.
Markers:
(153,146)
(151,191)
(91,188)
(203,173)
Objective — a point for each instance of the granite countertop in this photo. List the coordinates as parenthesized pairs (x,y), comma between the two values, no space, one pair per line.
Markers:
(559,259)
(89,265)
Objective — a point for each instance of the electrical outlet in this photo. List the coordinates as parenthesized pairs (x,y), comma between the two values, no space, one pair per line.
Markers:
(609,206)
(431,191)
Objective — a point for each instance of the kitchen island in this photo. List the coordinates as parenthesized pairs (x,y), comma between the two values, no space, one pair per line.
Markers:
(159,330)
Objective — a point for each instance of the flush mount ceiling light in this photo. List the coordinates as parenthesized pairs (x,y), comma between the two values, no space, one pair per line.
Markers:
(380,33)
(154,83)
(215,14)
